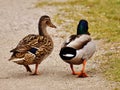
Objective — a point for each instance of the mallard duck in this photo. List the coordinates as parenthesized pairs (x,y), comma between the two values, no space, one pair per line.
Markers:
(78,48)
(33,49)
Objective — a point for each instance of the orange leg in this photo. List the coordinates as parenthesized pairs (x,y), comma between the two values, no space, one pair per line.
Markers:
(36,70)
(71,66)
(73,72)
(83,74)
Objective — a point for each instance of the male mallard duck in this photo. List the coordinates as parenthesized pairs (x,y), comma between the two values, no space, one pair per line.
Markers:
(77,49)
(33,49)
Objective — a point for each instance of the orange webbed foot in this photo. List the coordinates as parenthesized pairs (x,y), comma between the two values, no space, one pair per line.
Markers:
(34,74)
(82,75)
(76,73)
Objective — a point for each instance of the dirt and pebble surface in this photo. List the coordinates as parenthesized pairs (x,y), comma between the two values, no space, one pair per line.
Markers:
(19,18)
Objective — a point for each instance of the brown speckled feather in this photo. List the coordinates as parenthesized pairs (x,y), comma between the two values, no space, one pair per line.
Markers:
(28,42)
(43,44)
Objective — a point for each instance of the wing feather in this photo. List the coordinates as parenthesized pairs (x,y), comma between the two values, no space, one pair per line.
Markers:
(77,41)
(28,42)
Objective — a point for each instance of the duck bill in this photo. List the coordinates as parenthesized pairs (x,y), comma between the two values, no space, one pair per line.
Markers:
(51,25)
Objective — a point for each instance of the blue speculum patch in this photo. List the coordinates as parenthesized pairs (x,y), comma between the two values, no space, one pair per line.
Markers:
(33,50)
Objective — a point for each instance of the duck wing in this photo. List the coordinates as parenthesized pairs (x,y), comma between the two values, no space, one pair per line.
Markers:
(77,41)
(29,42)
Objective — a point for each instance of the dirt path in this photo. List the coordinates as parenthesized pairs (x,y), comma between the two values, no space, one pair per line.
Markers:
(17,19)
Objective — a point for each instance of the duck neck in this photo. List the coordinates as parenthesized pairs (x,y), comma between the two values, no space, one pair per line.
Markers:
(42,30)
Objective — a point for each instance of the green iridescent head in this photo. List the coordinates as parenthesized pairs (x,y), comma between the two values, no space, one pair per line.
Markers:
(82,27)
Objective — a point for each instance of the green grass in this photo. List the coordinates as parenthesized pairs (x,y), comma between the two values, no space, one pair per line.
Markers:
(103,16)
(111,67)
(104,23)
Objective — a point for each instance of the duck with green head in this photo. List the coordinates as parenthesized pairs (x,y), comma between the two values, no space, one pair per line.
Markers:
(78,48)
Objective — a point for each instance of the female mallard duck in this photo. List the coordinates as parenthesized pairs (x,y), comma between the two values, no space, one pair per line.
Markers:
(77,49)
(33,49)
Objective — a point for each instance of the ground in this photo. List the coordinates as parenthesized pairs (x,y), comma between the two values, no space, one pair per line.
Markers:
(19,18)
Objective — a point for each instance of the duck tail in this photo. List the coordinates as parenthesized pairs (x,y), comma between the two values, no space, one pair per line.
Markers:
(20,62)
(67,53)
(13,50)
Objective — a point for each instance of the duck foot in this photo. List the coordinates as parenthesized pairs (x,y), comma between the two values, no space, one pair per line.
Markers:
(76,73)
(34,74)
(82,75)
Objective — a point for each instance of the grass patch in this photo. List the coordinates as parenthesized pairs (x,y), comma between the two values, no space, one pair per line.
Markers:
(113,70)
(111,67)
(103,16)
(104,23)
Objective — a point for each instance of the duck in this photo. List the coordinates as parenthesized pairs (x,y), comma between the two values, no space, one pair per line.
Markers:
(78,48)
(33,48)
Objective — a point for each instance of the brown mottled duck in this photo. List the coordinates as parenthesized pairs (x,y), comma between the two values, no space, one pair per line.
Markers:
(33,49)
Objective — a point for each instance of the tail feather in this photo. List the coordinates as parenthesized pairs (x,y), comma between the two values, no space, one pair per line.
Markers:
(13,50)
(20,62)
(67,53)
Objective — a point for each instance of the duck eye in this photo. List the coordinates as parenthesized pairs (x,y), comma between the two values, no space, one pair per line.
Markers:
(47,22)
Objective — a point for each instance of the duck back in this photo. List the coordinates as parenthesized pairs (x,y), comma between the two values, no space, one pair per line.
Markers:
(79,41)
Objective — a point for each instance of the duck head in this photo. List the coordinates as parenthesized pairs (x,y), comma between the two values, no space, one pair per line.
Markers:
(44,21)
(82,27)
